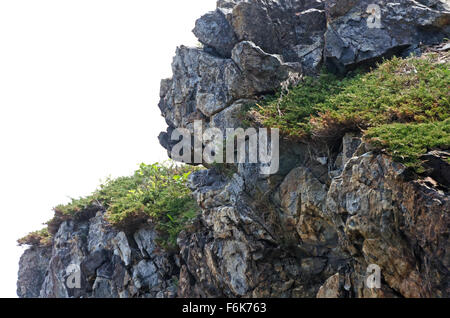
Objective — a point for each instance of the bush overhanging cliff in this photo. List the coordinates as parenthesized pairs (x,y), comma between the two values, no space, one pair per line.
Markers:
(156,192)
(401,91)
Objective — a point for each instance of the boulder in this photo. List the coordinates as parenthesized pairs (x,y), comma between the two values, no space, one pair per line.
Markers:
(214,30)
(365,31)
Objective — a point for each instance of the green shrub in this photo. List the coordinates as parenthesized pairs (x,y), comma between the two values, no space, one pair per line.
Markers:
(403,103)
(406,143)
(399,90)
(159,193)
(156,193)
(37,238)
(291,112)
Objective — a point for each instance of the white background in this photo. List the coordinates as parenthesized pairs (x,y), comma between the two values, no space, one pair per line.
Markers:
(79,88)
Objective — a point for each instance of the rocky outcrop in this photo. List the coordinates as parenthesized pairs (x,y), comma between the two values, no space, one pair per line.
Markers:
(334,211)
(204,85)
(361,31)
(89,258)
(328,214)
(32,270)
(250,246)
(400,226)
(254,47)
(306,234)
(309,226)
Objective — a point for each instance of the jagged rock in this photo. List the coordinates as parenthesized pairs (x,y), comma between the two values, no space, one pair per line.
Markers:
(103,288)
(437,164)
(122,248)
(239,239)
(311,28)
(350,144)
(100,235)
(366,30)
(145,240)
(264,71)
(251,21)
(201,82)
(310,230)
(282,28)
(259,35)
(248,243)
(302,200)
(331,288)
(145,275)
(103,261)
(394,224)
(32,270)
(92,262)
(436,4)
(206,83)
(69,250)
(340,227)
(231,117)
(214,30)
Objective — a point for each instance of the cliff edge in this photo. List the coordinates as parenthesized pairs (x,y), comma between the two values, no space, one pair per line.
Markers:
(348,202)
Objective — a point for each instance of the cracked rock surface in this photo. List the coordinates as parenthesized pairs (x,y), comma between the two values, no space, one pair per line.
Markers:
(311,230)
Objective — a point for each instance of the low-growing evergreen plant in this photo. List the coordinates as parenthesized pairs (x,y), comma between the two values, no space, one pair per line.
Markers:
(402,107)
(157,193)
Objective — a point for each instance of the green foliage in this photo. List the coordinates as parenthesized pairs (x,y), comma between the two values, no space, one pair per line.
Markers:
(37,238)
(156,193)
(411,90)
(159,193)
(75,206)
(291,112)
(384,100)
(407,142)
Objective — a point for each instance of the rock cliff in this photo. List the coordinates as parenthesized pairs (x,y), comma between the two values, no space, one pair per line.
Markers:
(334,209)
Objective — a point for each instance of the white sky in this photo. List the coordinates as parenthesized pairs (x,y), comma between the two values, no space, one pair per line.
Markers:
(79,88)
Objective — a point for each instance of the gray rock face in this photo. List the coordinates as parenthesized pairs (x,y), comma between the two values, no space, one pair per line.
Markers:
(362,31)
(252,246)
(145,275)
(188,92)
(32,270)
(350,144)
(312,229)
(256,47)
(298,236)
(279,27)
(251,48)
(204,85)
(264,71)
(90,259)
(231,116)
(207,84)
(214,30)
(369,202)
(285,235)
